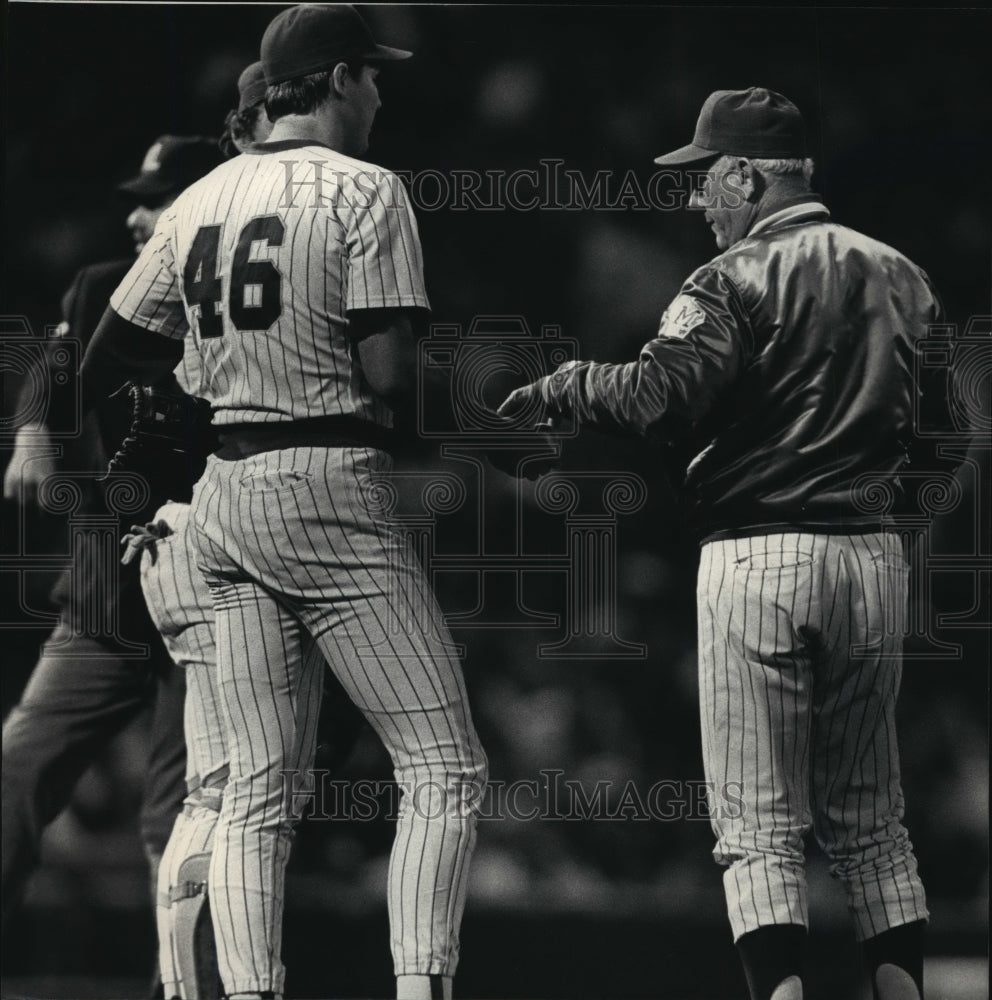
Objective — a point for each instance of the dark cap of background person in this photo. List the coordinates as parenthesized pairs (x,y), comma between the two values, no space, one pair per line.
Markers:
(251,86)
(314,37)
(754,122)
(171,164)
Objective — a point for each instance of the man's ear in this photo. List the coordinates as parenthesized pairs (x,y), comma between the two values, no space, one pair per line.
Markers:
(751,182)
(340,78)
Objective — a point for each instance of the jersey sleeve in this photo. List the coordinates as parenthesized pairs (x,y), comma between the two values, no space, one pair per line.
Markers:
(703,341)
(149,296)
(385,261)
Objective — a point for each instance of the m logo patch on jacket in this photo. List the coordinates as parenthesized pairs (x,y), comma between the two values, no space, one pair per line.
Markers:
(683,315)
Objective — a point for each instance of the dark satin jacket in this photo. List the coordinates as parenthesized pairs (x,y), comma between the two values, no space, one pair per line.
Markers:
(790,359)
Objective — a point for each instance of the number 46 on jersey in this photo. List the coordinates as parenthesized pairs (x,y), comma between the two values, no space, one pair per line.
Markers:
(254,299)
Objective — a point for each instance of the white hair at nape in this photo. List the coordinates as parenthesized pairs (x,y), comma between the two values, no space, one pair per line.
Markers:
(779,167)
(786,168)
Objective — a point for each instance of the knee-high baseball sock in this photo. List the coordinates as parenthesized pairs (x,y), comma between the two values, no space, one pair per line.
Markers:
(773,961)
(895,962)
(423,987)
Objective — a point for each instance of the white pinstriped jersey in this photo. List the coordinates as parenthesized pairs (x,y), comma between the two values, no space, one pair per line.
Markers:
(189,371)
(262,260)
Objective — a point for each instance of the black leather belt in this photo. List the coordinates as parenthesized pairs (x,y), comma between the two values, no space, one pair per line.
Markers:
(333,431)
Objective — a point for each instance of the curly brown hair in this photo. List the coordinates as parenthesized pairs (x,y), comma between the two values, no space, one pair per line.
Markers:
(239,128)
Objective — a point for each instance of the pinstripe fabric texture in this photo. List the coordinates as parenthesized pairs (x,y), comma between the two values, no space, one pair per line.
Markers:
(261,262)
(189,373)
(349,240)
(294,532)
(800,642)
(181,607)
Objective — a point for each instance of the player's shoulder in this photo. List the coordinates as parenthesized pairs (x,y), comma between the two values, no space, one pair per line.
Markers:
(355,189)
(363,173)
(749,259)
(344,185)
(310,152)
(865,258)
(211,182)
(870,247)
(714,272)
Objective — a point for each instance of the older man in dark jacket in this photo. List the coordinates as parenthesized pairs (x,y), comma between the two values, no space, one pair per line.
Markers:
(790,359)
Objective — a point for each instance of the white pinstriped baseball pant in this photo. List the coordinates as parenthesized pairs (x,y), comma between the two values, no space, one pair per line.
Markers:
(180,605)
(800,645)
(294,532)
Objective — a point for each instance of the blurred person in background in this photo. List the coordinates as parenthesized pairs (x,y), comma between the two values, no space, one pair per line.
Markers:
(248,123)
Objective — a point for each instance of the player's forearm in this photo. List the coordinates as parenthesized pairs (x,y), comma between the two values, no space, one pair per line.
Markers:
(387,353)
(673,384)
(623,398)
(121,352)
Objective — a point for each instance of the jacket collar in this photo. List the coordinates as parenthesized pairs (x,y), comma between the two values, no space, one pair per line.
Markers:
(802,208)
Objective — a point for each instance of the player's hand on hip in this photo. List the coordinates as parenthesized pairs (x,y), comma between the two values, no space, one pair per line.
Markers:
(30,464)
(143,537)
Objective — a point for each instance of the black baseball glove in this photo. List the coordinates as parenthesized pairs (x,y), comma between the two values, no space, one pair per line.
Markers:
(169,439)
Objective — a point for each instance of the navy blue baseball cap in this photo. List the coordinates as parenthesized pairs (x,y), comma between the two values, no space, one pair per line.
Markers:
(171,164)
(754,122)
(314,37)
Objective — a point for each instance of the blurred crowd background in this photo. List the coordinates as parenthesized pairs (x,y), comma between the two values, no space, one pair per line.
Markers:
(898,114)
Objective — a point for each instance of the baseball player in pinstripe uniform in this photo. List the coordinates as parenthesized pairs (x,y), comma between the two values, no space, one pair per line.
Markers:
(790,357)
(297,270)
(181,607)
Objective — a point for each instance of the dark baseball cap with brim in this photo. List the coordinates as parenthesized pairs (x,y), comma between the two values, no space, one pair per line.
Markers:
(172,163)
(313,37)
(753,122)
(251,86)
